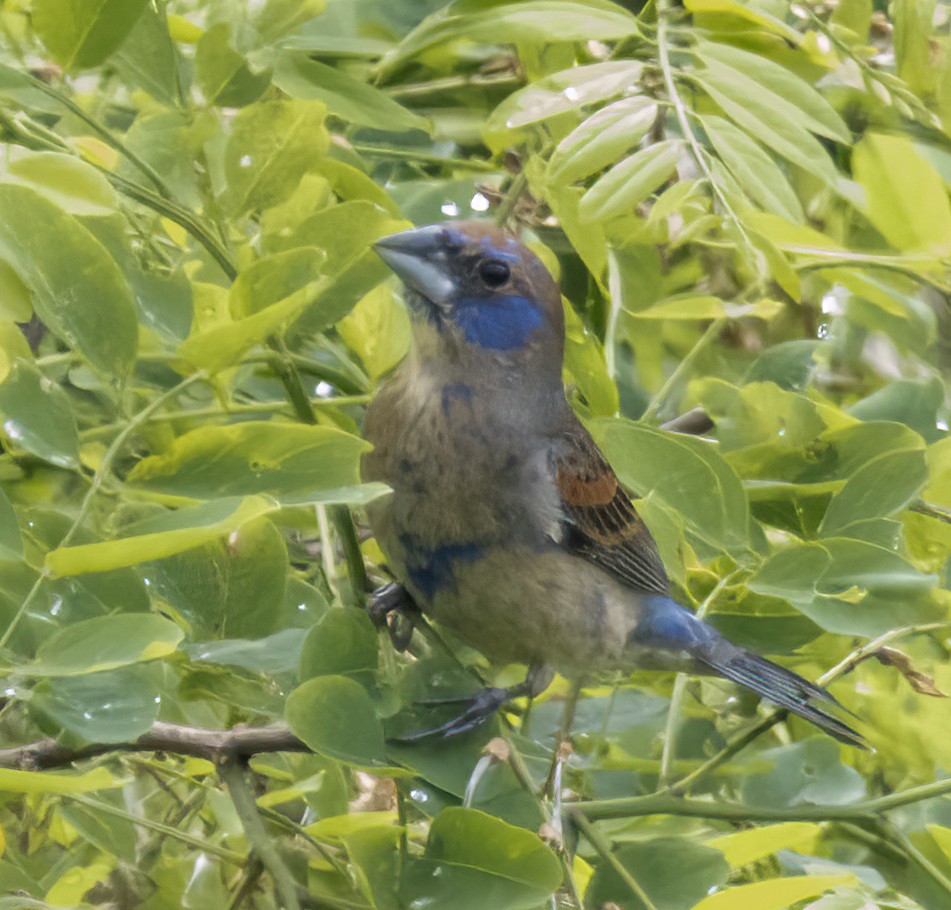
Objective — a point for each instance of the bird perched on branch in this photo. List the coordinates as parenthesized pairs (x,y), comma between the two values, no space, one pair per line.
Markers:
(506,524)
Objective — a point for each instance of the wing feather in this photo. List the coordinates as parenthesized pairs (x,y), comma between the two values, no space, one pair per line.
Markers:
(599,521)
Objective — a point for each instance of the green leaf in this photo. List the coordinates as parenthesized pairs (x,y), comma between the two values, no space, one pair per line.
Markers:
(11,544)
(282,16)
(882,486)
(775,894)
(631,181)
(766,117)
(42,783)
(113,706)
(346,97)
(76,187)
(377,329)
(585,366)
(37,417)
(334,716)
(687,474)
(745,847)
(905,196)
(754,170)
(674,872)
(78,289)
(271,279)
(343,643)
(83,33)
(691,307)
(560,93)
(149,58)
(253,457)
(474,860)
(799,101)
(272,145)
(529,20)
(16,305)
(104,643)
(224,75)
(602,139)
(161,536)
(850,587)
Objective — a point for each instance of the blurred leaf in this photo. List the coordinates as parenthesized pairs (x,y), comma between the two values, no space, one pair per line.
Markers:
(674,872)
(377,329)
(906,198)
(223,73)
(76,187)
(16,304)
(253,457)
(346,97)
(745,847)
(585,365)
(47,782)
(78,290)
(694,307)
(113,706)
(482,862)
(93,645)
(776,894)
(37,417)
(282,16)
(272,145)
(529,20)
(11,544)
(334,715)
(626,184)
(161,536)
(82,33)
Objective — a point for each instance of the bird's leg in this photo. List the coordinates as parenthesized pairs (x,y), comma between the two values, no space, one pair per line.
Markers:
(393,607)
(481,706)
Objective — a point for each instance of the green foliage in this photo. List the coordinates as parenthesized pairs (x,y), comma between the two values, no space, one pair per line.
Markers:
(746,203)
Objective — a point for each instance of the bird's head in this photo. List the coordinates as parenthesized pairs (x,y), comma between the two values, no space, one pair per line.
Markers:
(478,295)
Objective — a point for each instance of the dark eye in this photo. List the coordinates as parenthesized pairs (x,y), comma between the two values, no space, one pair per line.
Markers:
(494,272)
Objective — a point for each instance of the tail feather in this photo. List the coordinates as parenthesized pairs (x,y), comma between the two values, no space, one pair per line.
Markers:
(779,685)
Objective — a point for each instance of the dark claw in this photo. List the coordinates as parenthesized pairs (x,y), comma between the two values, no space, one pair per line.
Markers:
(391,606)
(479,708)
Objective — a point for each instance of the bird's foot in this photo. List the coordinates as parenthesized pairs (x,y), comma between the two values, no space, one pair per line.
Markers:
(392,607)
(478,709)
(481,706)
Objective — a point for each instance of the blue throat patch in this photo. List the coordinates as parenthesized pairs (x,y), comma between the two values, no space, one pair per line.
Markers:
(502,323)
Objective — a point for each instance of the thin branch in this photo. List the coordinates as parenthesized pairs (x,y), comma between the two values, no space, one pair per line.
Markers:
(233,775)
(666,804)
(213,745)
(607,854)
(695,422)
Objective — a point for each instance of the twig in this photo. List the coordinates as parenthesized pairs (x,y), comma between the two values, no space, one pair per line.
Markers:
(667,804)
(213,745)
(233,774)
(607,854)
(695,422)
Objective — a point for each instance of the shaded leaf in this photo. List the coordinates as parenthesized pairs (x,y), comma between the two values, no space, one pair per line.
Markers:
(82,33)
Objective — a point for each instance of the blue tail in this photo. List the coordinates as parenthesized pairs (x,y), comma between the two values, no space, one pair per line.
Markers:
(667,627)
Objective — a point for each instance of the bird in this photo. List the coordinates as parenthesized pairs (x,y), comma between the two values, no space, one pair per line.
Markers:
(506,524)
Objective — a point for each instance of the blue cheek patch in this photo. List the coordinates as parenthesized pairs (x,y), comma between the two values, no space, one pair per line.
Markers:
(503,323)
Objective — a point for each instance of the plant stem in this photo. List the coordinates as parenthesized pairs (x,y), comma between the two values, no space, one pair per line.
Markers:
(668,804)
(229,856)
(232,774)
(510,199)
(472,164)
(607,854)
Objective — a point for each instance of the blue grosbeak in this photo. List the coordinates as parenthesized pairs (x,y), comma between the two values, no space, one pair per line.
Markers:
(506,524)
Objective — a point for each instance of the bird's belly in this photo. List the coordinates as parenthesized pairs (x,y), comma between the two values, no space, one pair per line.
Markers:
(526,606)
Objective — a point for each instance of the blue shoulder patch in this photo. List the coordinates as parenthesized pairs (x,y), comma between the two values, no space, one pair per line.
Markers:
(431,572)
(502,323)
